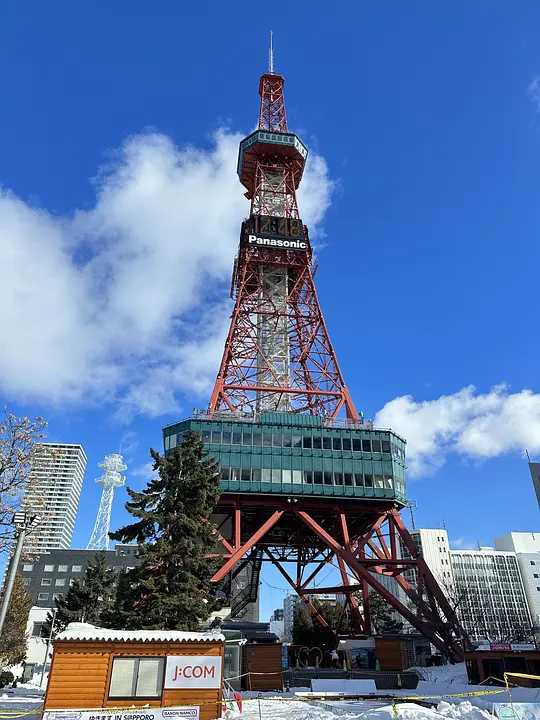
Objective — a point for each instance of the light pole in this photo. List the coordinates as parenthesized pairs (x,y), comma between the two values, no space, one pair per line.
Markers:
(23,522)
(49,639)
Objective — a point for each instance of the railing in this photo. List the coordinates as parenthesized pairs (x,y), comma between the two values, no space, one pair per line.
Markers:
(364,424)
(201,414)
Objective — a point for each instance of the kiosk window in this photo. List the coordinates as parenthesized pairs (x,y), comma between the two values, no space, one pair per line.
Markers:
(136,677)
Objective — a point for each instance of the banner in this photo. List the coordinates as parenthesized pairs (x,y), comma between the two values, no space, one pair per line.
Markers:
(180,712)
(192,671)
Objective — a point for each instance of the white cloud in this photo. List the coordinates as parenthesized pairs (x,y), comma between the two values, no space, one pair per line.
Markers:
(473,424)
(124,302)
(146,471)
(463,544)
(533,92)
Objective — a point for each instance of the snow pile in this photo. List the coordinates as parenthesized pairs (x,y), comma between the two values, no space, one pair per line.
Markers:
(463,711)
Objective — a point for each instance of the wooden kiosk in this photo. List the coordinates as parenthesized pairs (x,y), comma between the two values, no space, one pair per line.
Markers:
(94,669)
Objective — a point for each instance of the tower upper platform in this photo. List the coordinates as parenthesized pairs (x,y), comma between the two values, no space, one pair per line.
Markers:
(299,455)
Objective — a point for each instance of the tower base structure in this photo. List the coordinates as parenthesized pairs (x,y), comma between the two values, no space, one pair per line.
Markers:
(305,494)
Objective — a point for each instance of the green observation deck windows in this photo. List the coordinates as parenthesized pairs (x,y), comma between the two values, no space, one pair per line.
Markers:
(299,455)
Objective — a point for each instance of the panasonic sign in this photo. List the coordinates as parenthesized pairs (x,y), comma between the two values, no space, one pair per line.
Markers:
(277,243)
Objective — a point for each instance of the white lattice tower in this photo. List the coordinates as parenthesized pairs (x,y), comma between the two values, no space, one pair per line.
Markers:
(113,466)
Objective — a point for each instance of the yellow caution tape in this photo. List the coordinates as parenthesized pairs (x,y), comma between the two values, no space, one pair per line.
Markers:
(521,675)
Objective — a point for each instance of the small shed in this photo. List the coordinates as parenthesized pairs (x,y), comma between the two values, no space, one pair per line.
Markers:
(489,666)
(263,667)
(94,668)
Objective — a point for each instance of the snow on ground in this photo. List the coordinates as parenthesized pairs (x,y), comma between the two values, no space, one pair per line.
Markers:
(275,709)
(447,681)
(446,674)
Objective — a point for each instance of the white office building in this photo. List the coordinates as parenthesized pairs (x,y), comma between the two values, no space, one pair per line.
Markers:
(526,546)
(484,586)
(53,493)
(435,549)
(490,595)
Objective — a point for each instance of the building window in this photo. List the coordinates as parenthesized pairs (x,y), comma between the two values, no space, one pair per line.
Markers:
(43,596)
(45,582)
(532,562)
(60,582)
(37,629)
(48,568)
(76,568)
(62,568)
(27,567)
(136,677)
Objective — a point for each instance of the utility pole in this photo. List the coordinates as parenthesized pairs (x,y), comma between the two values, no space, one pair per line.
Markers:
(23,523)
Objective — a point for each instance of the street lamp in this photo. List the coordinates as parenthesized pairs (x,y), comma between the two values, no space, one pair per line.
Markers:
(23,522)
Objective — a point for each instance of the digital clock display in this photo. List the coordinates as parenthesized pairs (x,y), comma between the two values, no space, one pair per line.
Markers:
(277,226)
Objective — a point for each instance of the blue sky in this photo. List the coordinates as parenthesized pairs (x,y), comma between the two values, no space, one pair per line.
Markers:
(120,211)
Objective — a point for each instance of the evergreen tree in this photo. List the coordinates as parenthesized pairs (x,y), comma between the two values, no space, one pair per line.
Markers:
(13,638)
(88,600)
(307,631)
(171,589)
(383,617)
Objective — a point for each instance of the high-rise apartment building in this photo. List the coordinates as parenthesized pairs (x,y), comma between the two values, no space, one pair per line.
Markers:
(526,546)
(56,480)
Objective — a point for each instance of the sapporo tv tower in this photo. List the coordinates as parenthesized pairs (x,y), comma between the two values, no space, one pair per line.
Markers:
(305,481)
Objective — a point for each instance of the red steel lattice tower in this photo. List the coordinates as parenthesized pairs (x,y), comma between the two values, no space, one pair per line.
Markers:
(278,353)
(304,479)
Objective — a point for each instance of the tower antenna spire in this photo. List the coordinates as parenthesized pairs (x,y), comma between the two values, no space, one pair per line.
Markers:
(271,54)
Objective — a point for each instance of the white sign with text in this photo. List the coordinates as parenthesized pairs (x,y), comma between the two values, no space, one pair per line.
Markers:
(184,712)
(192,671)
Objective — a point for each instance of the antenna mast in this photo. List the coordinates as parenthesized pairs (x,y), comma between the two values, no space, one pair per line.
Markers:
(113,466)
(271,55)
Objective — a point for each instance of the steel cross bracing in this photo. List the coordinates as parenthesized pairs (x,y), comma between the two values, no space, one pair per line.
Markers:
(315,383)
(272,115)
(363,544)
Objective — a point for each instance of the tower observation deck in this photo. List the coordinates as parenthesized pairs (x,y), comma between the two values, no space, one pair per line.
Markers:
(305,480)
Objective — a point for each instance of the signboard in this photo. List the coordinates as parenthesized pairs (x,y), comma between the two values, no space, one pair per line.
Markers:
(177,712)
(192,671)
(500,646)
(517,711)
(280,243)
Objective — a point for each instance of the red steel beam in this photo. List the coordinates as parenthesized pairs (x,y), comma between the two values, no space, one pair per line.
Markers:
(257,535)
